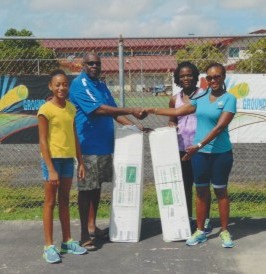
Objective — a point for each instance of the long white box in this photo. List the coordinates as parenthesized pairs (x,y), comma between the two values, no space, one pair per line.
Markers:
(169,184)
(126,208)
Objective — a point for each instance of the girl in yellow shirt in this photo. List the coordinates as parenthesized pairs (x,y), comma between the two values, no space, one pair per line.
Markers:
(59,146)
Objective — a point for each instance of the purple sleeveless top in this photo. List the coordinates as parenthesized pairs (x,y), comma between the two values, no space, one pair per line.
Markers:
(186,125)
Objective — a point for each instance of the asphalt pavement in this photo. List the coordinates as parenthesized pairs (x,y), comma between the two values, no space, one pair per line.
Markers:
(21,244)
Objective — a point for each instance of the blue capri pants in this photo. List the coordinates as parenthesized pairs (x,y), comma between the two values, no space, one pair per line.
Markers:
(212,168)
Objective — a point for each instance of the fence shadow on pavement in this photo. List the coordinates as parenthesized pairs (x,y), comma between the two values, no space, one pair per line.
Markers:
(241,227)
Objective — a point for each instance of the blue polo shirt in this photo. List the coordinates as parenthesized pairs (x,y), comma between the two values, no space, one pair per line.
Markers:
(208,114)
(95,132)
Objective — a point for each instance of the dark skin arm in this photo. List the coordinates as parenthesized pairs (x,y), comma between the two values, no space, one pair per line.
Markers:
(172,120)
(114,111)
(81,168)
(119,115)
(223,122)
(181,111)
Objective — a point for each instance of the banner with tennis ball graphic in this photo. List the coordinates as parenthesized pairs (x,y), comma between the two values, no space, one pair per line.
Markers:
(20,99)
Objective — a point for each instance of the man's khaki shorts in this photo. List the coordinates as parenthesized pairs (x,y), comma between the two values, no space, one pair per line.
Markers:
(98,169)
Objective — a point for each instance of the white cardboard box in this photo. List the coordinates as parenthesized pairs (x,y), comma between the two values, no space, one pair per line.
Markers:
(169,184)
(126,208)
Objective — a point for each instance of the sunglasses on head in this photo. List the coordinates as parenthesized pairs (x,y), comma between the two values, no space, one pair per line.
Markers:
(92,63)
(214,77)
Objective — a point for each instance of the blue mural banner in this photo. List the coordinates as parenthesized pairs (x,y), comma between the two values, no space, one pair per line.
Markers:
(20,99)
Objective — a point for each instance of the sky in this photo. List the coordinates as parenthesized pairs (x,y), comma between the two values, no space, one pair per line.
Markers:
(132,18)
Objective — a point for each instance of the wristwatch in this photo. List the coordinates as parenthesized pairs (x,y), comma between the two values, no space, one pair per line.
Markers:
(199,145)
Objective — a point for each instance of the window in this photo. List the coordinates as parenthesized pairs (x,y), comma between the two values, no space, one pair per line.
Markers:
(234,52)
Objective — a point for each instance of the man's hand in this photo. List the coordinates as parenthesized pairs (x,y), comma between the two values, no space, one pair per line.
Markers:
(81,172)
(139,113)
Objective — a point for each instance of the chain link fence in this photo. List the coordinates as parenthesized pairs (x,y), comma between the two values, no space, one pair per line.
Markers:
(147,80)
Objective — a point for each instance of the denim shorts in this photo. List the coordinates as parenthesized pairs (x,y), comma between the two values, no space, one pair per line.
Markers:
(63,166)
(212,168)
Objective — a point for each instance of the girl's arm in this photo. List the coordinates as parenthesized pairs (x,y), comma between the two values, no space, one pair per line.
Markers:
(81,168)
(223,122)
(43,137)
(181,111)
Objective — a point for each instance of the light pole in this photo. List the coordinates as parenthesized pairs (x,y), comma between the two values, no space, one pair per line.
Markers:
(129,75)
(141,75)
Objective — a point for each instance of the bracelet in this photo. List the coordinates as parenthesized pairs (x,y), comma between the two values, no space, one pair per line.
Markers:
(199,145)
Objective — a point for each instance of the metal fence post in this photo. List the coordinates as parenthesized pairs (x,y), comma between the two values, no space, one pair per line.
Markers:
(121,71)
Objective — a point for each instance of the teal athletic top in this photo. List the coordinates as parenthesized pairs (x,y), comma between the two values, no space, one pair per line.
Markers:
(208,114)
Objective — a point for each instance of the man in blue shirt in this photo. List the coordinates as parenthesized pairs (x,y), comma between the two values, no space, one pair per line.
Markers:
(96,110)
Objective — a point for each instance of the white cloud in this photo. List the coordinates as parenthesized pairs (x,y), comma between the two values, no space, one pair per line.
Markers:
(109,18)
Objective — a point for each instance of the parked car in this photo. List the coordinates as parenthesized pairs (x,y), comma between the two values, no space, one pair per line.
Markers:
(161,90)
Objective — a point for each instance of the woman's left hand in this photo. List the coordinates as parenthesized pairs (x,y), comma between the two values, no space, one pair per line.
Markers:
(189,152)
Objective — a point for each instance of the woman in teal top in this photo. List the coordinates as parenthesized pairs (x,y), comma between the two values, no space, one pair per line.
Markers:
(211,152)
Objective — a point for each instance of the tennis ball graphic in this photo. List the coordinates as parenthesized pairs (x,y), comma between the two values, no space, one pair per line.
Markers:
(22,92)
(14,96)
(240,90)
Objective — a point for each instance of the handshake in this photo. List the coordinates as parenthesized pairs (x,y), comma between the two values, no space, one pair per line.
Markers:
(141,113)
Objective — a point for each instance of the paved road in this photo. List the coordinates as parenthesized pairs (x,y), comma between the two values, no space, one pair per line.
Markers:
(21,248)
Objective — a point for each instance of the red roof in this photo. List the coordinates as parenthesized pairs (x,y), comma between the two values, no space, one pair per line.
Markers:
(131,43)
(153,64)
(260,31)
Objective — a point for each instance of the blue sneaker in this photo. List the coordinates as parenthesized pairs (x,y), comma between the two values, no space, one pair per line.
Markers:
(197,238)
(51,254)
(72,247)
(207,226)
(226,239)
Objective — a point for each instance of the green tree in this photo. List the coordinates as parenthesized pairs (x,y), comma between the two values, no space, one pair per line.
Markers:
(25,55)
(200,54)
(256,58)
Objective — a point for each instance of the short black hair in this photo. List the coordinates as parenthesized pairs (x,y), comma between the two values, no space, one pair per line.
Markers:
(216,65)
(56,72)
(186,64)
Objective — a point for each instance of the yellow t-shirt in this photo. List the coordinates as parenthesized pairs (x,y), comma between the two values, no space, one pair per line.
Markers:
(61,138)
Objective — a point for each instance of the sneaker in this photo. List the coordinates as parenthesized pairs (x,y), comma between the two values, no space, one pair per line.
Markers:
(207,226)
(51,254)
(226,239)
(72,247)
(196,238)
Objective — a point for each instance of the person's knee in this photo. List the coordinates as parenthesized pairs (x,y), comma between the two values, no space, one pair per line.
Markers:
(221,193)
(202,192)
(49,202)
(63,199)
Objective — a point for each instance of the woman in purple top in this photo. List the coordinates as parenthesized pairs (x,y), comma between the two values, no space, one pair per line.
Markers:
(186,76)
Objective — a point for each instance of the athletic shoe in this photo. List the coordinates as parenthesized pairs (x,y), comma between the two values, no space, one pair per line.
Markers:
(226,239)
(72,247)
(198,237)
(51,254)
(207,226)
